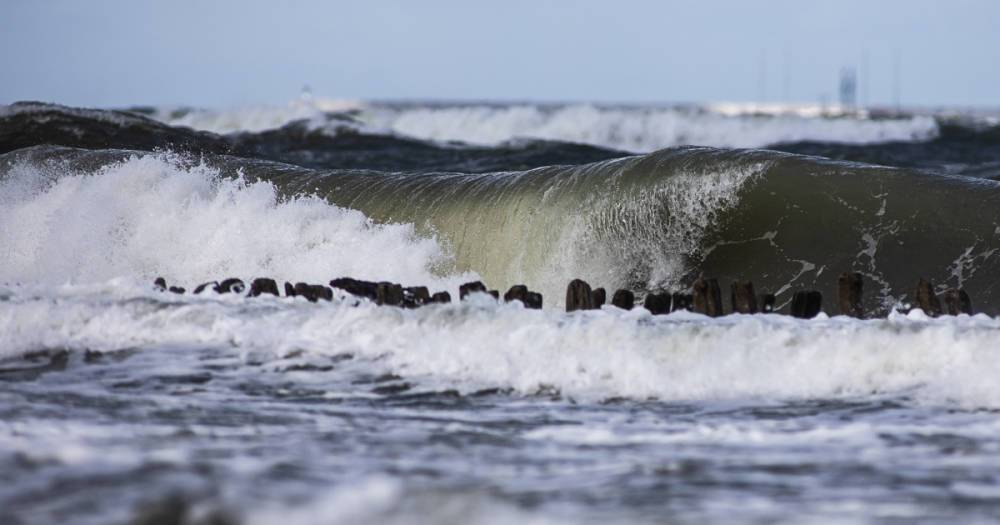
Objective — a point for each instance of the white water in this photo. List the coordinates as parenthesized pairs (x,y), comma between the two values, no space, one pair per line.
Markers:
(594,355)
(641,129)
(152,216)
(635,129)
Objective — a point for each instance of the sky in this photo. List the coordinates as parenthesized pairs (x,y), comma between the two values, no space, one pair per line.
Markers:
(108,53)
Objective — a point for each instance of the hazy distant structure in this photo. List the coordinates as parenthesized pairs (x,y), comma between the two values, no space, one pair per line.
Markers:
(848,87)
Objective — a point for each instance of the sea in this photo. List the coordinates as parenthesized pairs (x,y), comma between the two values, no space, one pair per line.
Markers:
(122,403)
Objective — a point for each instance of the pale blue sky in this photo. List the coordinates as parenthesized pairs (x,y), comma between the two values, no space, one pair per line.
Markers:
(227,53)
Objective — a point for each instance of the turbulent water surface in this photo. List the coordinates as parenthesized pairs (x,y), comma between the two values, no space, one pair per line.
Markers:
(121,404)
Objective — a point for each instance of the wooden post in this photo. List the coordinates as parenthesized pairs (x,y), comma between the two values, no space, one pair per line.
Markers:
(289,289)
(707,297)
(263,285)
(160,284)
(231,285)
(767,303)
(807,304)
(518,292)
(599,296)
(415,296)
(743,298)
(467,288)
(177,289)
(657,303)
(313,292)
(682,301)
(356,287)
(579,296)
(533,300)
(850,286)
(441,297)
(390,294)
(958,302)
(623,299)
(926,299)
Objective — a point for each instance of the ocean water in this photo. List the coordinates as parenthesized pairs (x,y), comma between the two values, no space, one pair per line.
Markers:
(124,404)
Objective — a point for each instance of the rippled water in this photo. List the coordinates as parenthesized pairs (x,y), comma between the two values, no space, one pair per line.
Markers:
(210,413)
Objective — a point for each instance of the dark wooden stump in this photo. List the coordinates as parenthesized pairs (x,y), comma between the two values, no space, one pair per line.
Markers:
(958,302)
(441,297)
(767,303)
(177,289)
(416,296)
(707,297)
(231,285)
(533,300)
(850,287)
(263,285)
(682,301)
(579,296)
(495,294)
(160,284)
(598,297)
(289,289)
(807,304)
(356,287)
(623,299)
(313,292)
(390,294)
(926,299)
(743,297)
(518,292)
(467,288)
(657,303)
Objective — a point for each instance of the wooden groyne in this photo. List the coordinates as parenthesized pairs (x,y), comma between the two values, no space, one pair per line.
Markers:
(704,297)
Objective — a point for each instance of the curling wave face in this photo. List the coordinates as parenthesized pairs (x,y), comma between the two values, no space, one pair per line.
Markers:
(647,222)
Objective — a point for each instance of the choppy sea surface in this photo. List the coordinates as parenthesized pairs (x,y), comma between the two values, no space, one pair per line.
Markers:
(123,404)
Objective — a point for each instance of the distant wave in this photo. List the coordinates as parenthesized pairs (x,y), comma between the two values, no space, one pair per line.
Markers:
(629,128)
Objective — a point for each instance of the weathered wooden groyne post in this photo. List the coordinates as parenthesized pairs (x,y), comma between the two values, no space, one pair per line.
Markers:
(263,285)
(958,302)
(467,288)
(681,301)
(743,298)
(598,297)
(926,299)
(707,297)
(850,286)
(807,304)
(623,299)
(520,292)
(767,302)
(657,303)
(389,294)
(579,296)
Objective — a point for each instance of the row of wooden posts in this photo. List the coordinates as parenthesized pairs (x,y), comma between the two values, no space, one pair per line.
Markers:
(705,296)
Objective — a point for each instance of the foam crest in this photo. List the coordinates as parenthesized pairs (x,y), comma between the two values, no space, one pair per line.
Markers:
(641,129)
(257,118)
(589,355)
(158,215)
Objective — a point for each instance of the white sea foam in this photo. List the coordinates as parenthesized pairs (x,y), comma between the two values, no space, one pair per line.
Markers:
(636,129)
(641,129)
(589,355)
(258,118)
(151,216)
